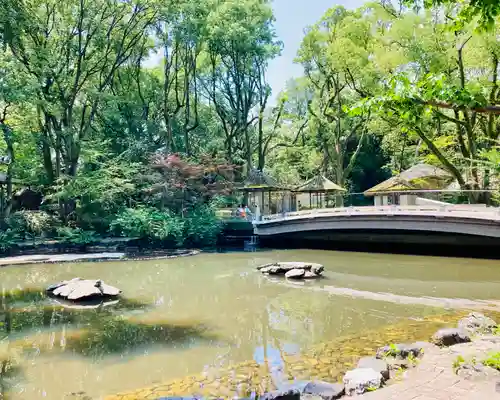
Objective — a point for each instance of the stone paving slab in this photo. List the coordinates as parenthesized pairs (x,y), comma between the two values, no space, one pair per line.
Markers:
(434,378)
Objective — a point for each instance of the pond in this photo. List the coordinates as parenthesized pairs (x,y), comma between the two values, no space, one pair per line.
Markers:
(196,315)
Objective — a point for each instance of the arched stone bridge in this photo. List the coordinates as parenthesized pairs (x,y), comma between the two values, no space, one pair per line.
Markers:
(478,221)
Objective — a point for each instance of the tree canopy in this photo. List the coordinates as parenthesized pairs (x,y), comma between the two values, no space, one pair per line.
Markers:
(138,117)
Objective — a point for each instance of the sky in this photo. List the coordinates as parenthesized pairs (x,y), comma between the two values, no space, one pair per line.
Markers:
(292,17)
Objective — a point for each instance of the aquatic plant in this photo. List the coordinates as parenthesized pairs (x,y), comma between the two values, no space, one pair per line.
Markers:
(120,335)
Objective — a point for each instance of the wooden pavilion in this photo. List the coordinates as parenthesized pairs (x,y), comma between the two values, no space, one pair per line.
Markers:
(318,187)
(260,188)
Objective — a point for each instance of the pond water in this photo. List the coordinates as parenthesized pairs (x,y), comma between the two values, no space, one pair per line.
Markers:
(188,315)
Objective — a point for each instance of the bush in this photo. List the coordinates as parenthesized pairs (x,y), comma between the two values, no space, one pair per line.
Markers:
(76,236)
(32,223)
(149,223)
(8,239)
(202,227)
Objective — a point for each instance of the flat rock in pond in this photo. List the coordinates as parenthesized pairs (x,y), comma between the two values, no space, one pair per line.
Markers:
(79,289)
(317,269)
(311,275)
(289,265)
(450,336)
(295,274)
(108,290)
(59,284)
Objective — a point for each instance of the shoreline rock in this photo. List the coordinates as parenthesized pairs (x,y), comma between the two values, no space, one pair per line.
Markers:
(91,257)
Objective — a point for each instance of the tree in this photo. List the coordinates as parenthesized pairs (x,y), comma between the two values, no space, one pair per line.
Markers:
(333,52)
(445,78)
(485,10)
(74,50)
(240,44)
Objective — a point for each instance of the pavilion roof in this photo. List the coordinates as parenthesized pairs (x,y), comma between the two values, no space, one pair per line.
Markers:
(258,180)
(418,177)
(319,184)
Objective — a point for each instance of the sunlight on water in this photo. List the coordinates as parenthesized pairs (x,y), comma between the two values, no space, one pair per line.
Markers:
(213,314)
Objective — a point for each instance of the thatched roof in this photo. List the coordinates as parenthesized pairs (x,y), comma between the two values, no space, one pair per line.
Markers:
(260,181)
(418,177)
(319,184)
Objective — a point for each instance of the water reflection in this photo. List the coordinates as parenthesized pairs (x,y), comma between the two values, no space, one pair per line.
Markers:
(117,335)
(31,321)
(212,313)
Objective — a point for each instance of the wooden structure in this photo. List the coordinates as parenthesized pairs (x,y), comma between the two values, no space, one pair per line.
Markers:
(259,189)
(318,187)
(402,189)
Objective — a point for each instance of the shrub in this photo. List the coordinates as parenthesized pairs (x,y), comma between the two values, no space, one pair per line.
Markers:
(8,239)
(149,223)
(32,223)
(202,226)
(76,235)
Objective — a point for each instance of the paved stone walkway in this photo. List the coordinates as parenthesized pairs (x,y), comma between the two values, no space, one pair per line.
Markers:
(434,378)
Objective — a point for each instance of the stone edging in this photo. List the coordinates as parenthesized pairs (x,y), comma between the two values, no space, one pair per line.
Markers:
(91,257)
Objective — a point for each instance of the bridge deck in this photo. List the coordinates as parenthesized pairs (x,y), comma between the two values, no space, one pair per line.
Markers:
(454,219)
(459,211)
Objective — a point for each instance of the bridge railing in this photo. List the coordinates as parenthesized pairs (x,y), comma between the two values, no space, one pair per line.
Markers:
(464,210)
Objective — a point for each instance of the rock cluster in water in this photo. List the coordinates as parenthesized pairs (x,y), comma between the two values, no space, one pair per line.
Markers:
(293,270)
(316,377)
(82,289)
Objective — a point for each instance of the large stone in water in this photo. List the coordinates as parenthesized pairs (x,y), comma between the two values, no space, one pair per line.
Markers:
(108,290)
(59,284)
(84,289)
(450,336)
(317,269)
(77,289)
(295,274)
(375,364)
(361,380)
(288,266)
(311,275)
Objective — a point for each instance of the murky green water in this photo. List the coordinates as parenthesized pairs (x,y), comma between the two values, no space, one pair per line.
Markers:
(188,315)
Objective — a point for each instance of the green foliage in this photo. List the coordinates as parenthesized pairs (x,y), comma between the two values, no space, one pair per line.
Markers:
(8,239)
(485,10)
(202,226)
(76,236)
(493,361)
(32,223)
(149,223)
(393,351)
(457,363)
(117,146)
